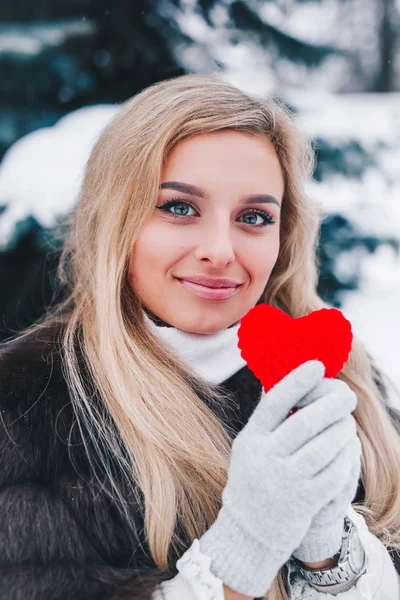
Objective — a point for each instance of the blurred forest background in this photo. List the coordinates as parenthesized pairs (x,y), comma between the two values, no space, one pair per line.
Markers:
(65,65)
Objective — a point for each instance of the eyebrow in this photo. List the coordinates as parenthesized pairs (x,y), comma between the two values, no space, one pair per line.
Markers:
(193,190)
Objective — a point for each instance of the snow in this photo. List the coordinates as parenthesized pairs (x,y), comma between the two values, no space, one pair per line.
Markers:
(374,313)
(14,42)
(371,118)
(41,173)
(296,21)
(372,204)
(32,39)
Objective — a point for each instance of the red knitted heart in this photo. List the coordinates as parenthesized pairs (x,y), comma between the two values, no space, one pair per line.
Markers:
(273,343)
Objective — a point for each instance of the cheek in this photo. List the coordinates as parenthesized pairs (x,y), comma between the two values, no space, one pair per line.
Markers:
(155,249)
(261,257)
(146,249)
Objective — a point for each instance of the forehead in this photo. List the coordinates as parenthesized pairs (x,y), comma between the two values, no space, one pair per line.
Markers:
(231,142)
(223,157)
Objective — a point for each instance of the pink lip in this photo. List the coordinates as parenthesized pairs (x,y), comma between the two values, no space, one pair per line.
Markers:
(209,293)
(211,283)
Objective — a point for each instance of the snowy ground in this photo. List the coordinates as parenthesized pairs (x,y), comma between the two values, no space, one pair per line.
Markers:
(40,176)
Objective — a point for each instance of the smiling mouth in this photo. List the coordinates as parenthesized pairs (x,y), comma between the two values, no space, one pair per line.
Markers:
(210,282)
(208,293)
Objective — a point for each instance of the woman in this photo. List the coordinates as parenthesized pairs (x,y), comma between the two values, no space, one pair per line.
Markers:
(119,475)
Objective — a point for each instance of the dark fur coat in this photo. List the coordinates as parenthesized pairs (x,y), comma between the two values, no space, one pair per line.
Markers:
(61,537)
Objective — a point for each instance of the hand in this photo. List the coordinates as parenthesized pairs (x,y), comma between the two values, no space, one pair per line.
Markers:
(282,473)
(324,537)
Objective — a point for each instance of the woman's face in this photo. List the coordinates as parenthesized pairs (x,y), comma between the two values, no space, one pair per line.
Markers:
(228,188)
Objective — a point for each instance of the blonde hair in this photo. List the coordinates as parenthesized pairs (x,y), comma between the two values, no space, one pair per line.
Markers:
(148,394)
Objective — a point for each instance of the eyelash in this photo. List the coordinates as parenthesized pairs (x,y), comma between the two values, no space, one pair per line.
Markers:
(176,201)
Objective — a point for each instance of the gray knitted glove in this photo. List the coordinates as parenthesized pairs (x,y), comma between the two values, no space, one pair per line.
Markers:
(282,472)
(324,537)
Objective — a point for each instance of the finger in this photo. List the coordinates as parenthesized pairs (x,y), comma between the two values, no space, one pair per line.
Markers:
(276,403)
(344,493)
(319,452)
(327,482)
(324,387)
(311,420)
(348,492)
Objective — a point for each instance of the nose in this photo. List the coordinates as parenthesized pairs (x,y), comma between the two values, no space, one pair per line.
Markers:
(216,246)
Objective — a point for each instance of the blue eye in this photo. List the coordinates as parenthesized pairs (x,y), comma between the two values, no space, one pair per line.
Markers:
(181,205)
(254,212)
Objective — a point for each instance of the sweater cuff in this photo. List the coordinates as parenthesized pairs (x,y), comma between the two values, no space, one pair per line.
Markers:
(194,580)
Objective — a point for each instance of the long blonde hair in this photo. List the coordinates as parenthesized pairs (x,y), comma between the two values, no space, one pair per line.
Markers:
(148,394)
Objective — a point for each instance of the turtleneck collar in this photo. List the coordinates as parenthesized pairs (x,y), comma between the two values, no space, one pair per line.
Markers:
(216,356)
